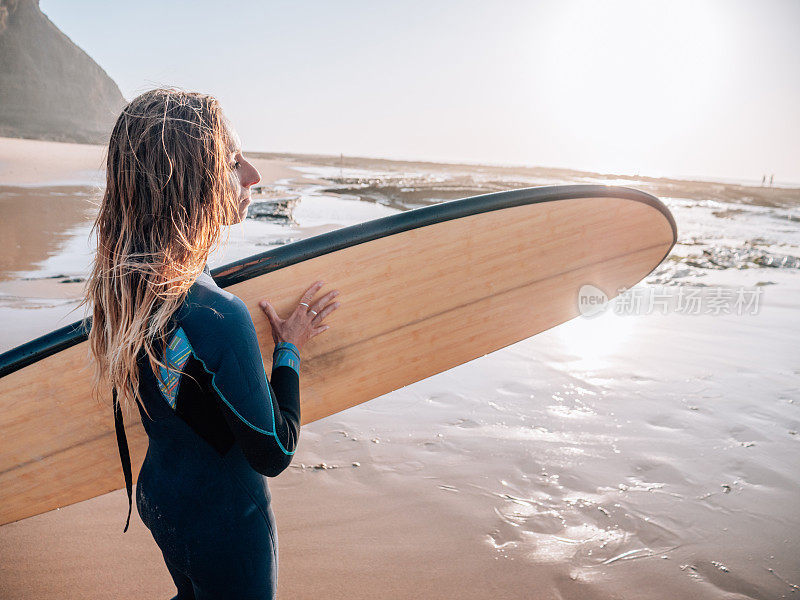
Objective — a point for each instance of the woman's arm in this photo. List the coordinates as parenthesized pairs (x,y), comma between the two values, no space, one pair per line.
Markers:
(264,417)
(272,454)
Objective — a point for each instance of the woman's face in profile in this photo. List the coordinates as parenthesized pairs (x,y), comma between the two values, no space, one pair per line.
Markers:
(245,174)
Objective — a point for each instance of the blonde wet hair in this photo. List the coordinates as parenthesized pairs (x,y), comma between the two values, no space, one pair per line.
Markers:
(169,191)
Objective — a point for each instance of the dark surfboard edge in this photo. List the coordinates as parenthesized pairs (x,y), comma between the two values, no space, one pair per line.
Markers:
(284,256)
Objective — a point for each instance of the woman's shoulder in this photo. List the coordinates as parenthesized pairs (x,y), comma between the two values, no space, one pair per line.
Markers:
(210,309)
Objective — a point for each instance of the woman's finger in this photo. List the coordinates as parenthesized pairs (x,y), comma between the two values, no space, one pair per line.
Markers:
(318,330)
(310,292)
(325,312)
(272,316)
(320,304)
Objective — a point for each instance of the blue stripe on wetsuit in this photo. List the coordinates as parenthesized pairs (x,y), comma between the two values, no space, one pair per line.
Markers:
(176,355)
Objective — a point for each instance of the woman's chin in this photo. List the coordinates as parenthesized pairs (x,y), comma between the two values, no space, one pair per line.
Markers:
(243,211)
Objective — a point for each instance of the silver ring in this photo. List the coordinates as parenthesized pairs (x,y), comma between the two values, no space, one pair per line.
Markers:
(304,304)
(314,312)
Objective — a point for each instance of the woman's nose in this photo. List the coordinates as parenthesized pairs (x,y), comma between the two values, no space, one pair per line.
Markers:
(252,176)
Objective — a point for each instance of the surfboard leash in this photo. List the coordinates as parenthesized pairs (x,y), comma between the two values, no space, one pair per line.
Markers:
(124,454)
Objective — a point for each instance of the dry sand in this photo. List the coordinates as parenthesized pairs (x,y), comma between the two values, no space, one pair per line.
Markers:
(34,162)
(662,465)
(40,163)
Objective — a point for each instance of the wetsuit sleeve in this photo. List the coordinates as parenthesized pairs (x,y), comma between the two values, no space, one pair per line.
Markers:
(286,354)
(264,417)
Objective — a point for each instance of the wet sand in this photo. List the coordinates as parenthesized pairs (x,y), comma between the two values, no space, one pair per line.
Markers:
(624,456)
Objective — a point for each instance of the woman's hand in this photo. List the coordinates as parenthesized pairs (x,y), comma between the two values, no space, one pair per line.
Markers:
(305,321)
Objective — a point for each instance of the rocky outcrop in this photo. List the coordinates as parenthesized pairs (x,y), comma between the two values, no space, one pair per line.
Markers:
(49,88)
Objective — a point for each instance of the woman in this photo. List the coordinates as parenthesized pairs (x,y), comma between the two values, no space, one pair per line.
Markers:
(167,338)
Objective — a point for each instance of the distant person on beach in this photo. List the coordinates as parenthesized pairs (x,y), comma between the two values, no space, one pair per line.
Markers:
(166,338)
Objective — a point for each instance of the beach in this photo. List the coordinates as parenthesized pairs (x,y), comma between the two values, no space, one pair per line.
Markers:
(647,452)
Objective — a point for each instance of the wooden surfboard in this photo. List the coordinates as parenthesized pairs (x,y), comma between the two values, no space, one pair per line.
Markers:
(421,292)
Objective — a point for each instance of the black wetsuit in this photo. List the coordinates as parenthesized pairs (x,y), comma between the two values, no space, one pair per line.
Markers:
(214,433)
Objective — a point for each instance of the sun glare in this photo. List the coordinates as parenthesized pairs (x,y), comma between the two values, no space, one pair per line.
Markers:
(593,340)
(628,73)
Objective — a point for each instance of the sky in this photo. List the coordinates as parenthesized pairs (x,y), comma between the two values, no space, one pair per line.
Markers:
(699,88)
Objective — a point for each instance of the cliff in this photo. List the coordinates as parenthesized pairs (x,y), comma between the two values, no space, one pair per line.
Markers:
(50,89)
